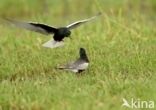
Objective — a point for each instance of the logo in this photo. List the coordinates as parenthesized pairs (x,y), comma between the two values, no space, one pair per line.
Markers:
(137,103)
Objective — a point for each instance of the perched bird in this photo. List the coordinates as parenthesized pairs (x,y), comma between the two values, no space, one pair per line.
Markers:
(79,65)
(59,33)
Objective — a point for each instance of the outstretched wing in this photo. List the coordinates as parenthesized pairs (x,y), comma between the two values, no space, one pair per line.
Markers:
(37,27)
(78,23)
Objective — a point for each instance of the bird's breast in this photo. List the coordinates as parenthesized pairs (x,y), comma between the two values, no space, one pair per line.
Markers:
(58,37)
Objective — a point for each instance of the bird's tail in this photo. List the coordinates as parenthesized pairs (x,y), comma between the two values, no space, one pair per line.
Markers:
(53,44)
(63,67)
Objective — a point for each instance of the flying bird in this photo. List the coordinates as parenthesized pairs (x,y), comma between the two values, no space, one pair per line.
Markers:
(78,66)
(58,33)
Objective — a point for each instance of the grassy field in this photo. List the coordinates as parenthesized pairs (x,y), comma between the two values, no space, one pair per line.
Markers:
(121,46)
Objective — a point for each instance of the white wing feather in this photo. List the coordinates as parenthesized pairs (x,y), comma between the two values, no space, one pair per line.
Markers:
(53,44)
(78,23)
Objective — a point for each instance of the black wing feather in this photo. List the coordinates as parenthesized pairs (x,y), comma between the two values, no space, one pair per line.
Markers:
(47,28)
(37,27)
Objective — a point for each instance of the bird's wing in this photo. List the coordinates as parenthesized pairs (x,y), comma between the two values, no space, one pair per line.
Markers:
(80,64)
(78,23)
(37,27)
(53,44)
(67,66)
(74,66)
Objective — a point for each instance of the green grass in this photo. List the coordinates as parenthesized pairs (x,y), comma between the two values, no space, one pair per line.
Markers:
(121,46)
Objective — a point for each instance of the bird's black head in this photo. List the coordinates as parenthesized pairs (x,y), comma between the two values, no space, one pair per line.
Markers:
(64,31)
(83,54)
